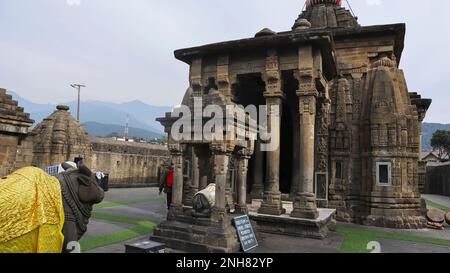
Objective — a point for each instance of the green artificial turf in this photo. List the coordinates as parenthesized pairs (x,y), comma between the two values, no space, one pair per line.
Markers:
(437,206)
(141,228)
(117,237)
(357,239)
(127,203)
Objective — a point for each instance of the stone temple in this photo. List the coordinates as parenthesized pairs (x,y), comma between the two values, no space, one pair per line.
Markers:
(350,133)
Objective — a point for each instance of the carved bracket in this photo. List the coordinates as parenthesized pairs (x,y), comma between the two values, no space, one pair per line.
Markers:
(272,76)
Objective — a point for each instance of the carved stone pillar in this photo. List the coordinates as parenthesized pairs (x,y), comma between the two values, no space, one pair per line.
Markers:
(258,175)
(243,157)
(176,207)
(195,77)
(221,160)
(223,77)
(305,201)
(195,172)
(272,196)
(203,182)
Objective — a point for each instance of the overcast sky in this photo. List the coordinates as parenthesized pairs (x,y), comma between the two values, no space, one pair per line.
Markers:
(123,49)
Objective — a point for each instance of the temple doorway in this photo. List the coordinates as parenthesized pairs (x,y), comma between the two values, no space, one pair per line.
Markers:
(249,90)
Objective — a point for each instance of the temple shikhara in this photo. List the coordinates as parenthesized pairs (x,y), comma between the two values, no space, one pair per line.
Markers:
(349,133)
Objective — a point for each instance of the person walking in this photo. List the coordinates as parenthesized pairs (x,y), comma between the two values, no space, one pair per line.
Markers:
(166,184)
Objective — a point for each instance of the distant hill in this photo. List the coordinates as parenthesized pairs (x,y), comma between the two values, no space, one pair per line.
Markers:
(103,118)
(102,130)
(428,131)
(142,116)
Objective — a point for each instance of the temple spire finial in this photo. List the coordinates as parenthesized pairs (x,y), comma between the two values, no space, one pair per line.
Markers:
(319,2)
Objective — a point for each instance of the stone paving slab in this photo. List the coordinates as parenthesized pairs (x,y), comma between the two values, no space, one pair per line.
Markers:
(271,243)
(114,195)
(146,211)
(442,200)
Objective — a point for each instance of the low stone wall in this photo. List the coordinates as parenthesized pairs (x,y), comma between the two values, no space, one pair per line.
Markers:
(438,179)
(128,164)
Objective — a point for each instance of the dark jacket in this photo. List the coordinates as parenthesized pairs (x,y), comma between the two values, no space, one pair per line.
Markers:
(163,182)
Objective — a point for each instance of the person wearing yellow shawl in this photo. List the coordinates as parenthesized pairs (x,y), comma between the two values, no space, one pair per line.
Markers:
(31,213)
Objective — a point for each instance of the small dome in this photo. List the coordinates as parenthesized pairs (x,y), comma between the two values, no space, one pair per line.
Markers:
(59,138)
(265,32)
(62,108)
(302,24)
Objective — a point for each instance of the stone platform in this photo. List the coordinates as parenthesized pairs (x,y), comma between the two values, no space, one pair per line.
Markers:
(287,225)
(197,237)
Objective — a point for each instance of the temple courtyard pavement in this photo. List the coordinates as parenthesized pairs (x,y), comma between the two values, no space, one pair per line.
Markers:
(130,215)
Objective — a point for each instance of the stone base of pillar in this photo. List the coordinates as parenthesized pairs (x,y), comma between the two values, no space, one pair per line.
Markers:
(218,215)
(194,235)
(305,207)
(174,211)
(229,200)
(189,196)
(272,204)
(257,192)
(242,209)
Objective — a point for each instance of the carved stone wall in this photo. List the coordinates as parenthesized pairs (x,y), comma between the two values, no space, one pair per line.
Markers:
(390,133)
(60,138)
(14,124)
(128,164)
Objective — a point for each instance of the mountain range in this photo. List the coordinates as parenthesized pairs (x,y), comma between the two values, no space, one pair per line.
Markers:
(103,118)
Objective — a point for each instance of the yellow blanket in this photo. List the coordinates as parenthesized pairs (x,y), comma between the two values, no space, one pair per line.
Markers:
(31,213)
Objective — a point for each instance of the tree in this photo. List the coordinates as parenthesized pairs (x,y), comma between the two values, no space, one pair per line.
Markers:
(441,144)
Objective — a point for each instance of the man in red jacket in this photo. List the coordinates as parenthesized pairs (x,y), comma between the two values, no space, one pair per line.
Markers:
(166,184)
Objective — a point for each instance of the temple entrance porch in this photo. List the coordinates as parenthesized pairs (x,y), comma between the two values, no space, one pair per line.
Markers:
(249,90)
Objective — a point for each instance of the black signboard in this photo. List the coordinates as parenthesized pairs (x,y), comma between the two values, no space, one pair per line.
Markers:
(246,233)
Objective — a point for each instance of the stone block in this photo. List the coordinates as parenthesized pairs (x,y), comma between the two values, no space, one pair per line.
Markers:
(436,215)
(284,224)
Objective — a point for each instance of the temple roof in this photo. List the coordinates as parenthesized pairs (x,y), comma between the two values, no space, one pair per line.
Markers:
(321,23)
(327,14)
(13,117)
(319,37)
(60,128)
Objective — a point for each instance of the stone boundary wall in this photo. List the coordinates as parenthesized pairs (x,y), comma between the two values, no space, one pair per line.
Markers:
(128,164)
(438,179)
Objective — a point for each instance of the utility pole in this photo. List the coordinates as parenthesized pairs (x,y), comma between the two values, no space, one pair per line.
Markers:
(126,127)
(78,88)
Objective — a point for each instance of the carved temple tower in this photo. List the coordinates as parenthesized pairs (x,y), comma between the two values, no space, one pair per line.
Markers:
(348,132)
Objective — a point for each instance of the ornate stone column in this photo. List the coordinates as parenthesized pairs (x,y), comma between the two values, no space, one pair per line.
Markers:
(176,207)
(305,201)
(243,157)
(272,196)
(195,172)
(258,175)
(221,160)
